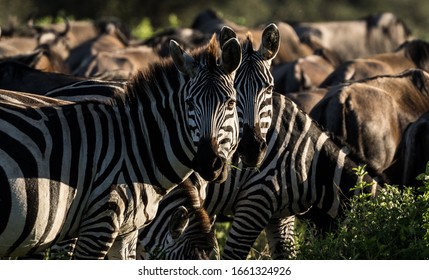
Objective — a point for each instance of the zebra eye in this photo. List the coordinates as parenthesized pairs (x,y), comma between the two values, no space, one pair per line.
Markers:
(230,104)
(190,104)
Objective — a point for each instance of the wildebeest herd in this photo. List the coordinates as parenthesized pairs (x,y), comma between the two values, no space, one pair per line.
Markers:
(118,148)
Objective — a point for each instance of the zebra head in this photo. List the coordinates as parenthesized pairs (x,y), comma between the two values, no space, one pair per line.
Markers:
(211,105)
(254,84)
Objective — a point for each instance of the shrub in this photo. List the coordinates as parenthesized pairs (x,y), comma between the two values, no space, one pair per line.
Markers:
(393,225)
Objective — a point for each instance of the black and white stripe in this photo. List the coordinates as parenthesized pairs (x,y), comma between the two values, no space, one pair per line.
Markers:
(304,167)
(254,84)
(97,170)
(186,236)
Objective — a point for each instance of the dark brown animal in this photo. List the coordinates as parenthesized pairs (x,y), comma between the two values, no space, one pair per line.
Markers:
(372,114)
(291,47)
(306,100)
(304,73)
(378,33)
(42,58)
(111,39)
(412,154)
(411,54)
(118,65)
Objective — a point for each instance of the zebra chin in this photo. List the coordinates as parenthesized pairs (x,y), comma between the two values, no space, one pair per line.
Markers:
(252,147)
(208,164)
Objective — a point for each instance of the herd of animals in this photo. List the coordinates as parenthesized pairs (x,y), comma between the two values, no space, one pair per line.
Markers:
(117,148)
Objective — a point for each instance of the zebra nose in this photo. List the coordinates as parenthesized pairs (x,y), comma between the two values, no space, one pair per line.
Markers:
(252,147)
(207,162)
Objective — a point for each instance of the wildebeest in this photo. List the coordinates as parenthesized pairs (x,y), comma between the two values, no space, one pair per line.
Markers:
(188,37)
(411,54)
(376,33)
(412,154)
(111,39)
(118,65)
(304,73)
(291,47)
(371,114)
(42,58)
(306,100)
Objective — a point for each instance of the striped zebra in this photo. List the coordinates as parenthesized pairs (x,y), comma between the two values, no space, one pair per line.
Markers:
(254,84)
(181,229)
(304,168)
(96,170)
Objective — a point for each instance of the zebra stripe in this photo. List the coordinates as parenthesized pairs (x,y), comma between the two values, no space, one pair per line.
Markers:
(196,240)
(254,84)
(304,167)
(97,170)
(255,81)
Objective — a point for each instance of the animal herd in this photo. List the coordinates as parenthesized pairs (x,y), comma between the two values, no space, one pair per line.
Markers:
(119,148)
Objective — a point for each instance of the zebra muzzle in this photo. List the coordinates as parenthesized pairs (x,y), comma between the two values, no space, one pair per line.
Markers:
(208,163)
(252,147)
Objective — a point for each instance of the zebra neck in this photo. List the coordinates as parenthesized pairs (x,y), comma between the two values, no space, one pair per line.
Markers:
(158,130)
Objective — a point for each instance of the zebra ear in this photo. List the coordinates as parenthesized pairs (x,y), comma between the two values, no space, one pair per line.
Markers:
(270,42)
(231,55)
(225,34)
(184,62)
(178,222)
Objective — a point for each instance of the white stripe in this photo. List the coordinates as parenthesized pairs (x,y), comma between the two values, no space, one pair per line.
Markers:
(319,144)
(304,172)
(337,178)
(294,180)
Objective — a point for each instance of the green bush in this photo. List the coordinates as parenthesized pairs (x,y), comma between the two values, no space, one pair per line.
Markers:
(393,225)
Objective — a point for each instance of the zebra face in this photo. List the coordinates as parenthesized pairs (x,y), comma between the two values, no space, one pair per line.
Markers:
(214,127)
(254,84)
(211,106)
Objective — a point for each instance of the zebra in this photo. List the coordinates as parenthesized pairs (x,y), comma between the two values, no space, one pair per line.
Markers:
(96,170)
(254,84)
(304,168)
(181,229)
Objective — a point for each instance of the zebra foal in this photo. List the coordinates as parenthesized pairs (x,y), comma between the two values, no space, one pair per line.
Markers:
(96,170)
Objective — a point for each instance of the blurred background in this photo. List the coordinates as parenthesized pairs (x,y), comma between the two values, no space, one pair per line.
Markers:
(152,15)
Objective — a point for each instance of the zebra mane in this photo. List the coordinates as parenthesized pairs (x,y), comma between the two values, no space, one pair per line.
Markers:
(191,187)
(154,75)
(248,43)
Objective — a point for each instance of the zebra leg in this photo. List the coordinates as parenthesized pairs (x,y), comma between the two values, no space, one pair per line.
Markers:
(124,247)
(281,238)
(245,229)
(63,250)
(99,229)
